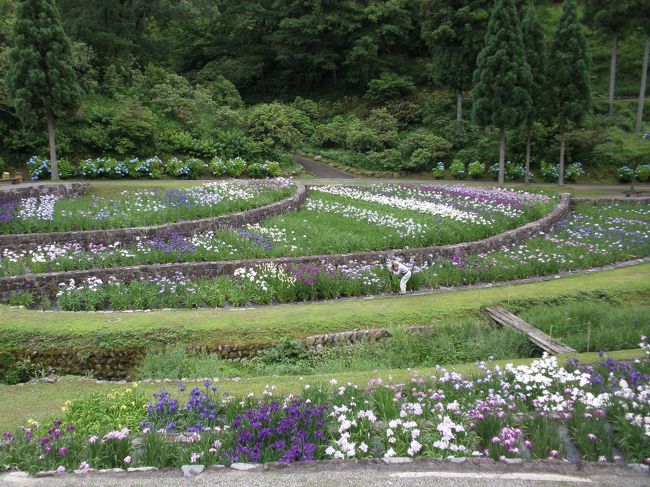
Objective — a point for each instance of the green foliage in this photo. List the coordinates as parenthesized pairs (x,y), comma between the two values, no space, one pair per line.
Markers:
(387,160)
(332,134)
(422,148)
(619,148)
(268,169)
(278,126)
(405,112)
(476,169)
(389,86)
(569,64)
(66,169)
(361,138)
(131,130)
(188,168)
(381,121)
(458,169)
(502,78)
(439,170)
(454,31)
(533,38)
(235,167)
(224,93)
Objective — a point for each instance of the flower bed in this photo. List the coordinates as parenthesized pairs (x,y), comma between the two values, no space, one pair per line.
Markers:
(48,213)
(538,411)
(327,224)
(594,236)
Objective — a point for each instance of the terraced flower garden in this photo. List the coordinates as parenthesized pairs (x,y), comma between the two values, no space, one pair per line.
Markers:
(546,408)
(339,219)
(49,213)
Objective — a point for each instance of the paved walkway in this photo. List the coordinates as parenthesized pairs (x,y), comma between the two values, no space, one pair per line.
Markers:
(351,475)
(320,170)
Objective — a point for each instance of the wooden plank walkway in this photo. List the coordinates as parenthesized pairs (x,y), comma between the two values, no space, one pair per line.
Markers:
(535,335)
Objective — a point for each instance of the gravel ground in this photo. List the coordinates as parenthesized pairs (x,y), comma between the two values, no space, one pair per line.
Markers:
(351,475)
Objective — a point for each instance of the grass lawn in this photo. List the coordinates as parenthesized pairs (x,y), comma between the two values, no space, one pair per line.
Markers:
(40,401)
(37,329)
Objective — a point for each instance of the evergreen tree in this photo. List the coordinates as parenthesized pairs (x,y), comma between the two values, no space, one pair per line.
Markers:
(454,31)
(569,74)
(536,59)
(643,14)
(41,77)
(611,16)
(502,79)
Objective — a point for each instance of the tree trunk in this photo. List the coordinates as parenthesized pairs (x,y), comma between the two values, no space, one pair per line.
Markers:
(527,170)
(50,135)
(644,78)
(561,171)
(334,78)
(502,156)
(459,105)
(612,74)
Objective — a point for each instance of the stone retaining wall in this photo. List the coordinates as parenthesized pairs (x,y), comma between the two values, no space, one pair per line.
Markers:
(47,284)
(26,241)
(644,200)
(120,362)
(62,190)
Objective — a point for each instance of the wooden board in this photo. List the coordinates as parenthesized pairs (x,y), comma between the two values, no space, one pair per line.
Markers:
(535,335)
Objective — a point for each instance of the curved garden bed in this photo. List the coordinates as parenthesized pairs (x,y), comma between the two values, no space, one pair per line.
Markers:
(133,234)
(48,284)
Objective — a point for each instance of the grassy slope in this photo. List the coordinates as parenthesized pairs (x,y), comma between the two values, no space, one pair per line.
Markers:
(40,401)
(269,323)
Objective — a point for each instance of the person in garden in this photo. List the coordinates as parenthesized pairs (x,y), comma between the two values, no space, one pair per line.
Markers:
(400,270)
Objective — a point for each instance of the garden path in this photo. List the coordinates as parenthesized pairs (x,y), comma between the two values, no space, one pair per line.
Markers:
(433,474)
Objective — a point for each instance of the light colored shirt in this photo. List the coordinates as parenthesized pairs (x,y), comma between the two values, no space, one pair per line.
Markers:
(401,270)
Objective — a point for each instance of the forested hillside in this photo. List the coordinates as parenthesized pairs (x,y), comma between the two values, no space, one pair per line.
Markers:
(377,85)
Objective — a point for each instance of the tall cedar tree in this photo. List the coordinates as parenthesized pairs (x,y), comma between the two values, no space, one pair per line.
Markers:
(611,16)
(41,77)
(536,59)
(569,75)
(454,31)
(643,14)
(502,78)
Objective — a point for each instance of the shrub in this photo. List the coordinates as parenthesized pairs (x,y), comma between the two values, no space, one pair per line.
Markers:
(437,147)
(457,169)
(132,130)
(388,86)
(513,171)
(217,167)
(188,168)
(572,171)
(386,160)
(332,134)
(224,93)
(405,112)
(624,174)
(550,172)
(268,169)
(643,173)
(361,138)
(382,122)
(421,158)
(235,166)
(66,169)
(439,170)
(2,164)
(279,126)
(476,169)
(38,167)
(234,143)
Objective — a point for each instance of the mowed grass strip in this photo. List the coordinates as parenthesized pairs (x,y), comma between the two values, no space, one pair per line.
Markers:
(40,401)
(269,324)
